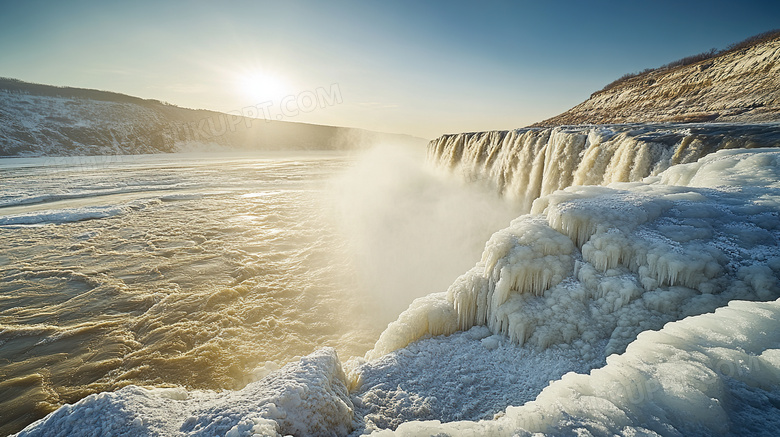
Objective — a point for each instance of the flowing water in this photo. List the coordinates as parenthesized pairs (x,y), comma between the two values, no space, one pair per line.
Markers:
(157,270)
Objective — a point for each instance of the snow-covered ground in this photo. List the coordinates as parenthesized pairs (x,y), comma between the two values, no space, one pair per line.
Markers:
(469,375)
(714,374)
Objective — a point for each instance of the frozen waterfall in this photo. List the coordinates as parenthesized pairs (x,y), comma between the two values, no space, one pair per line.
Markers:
(629,227)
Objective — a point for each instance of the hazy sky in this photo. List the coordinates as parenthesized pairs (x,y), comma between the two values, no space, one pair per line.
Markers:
(417,67)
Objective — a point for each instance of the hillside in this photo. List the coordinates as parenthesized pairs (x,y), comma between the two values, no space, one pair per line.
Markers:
(43,120)
(741,84)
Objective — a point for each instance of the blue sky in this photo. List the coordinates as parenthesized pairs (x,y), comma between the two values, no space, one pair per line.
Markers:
(417,67)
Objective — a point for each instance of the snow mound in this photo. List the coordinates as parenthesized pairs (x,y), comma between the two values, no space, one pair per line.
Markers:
(308,397)
(714,374)
(469,375)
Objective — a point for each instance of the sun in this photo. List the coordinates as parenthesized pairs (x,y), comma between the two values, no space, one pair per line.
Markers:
(262,87)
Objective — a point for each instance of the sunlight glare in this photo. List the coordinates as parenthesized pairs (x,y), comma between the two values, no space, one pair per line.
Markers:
(262,87)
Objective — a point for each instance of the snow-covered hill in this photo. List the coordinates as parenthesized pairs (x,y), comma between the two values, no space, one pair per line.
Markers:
(40,120)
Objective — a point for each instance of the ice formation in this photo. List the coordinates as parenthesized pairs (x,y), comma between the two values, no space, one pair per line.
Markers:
(525,164)
(603,263)
(308,397)
(477,374)
(713,374)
